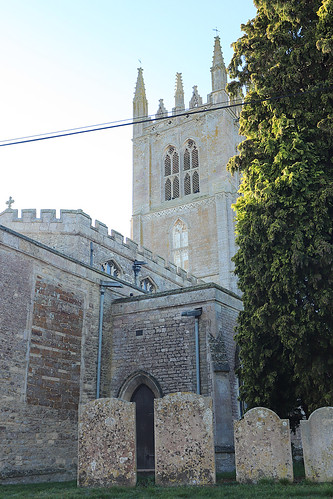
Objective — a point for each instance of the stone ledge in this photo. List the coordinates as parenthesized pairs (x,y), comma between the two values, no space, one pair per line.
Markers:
(197,287)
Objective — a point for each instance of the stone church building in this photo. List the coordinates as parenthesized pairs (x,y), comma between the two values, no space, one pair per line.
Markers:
(86,314)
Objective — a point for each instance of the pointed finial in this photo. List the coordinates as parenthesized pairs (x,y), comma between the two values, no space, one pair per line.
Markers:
(217,56)
(140,91)
(218,70)
(179,94)
(140,103)
(161,110)
(216,31)
(10,202)
(196,100)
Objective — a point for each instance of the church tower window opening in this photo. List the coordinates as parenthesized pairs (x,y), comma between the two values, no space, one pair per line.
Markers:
(171,174)
(191,167)
(180,244)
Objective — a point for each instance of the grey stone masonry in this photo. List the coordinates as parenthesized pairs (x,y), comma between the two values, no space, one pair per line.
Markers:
(317,440)
(149,335)
(48,356)
(107,447)
(74,235)
(184,440)
(262,447)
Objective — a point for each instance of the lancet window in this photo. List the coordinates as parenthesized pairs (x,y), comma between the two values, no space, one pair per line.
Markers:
(191,168)
(180,244)
(111,268)
(171,174)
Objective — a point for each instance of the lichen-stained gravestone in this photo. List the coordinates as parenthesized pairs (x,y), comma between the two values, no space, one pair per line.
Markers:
(184,441)
(317,441)
(107,445)
(262,446)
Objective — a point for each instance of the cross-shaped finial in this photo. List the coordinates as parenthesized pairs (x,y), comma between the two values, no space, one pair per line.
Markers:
(10,202)
(216,31)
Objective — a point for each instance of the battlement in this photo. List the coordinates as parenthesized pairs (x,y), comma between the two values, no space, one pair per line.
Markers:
(50,230)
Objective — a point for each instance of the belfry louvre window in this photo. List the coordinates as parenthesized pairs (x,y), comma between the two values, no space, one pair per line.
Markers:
(187,184)
(171,174)
(191,167)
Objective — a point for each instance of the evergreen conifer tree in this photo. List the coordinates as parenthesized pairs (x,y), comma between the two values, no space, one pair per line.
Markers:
(285,211)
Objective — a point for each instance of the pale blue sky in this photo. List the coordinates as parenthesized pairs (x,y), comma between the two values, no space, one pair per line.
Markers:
(71,63)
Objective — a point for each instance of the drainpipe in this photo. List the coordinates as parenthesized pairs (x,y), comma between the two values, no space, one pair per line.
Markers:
(103,285)
(196,314)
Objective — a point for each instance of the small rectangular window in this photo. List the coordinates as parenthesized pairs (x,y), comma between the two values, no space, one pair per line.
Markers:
(139,332)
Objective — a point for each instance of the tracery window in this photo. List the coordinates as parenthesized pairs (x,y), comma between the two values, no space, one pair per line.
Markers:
(111,268)
(148,285)
(180,244)
(191,167)
(171,174)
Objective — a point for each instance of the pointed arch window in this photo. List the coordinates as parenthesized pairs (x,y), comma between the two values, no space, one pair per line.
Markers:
(111,268)
(180,244)
(148,285)
(191,167)
(171,174)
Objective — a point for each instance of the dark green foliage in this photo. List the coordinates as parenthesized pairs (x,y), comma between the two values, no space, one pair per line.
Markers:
(285,214)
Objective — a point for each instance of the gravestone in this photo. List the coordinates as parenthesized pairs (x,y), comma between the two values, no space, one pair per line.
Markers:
(262,446)
(184,441)
(317,441)
(107,448)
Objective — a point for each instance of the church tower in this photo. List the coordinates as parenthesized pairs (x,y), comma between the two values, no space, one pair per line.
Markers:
(182,192)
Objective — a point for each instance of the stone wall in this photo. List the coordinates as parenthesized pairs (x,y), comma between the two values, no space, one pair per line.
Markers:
(74,235)
(49,344)
(48,354)
(148,335)
(207,214)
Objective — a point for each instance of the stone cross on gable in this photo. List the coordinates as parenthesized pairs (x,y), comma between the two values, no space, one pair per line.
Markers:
(10,202)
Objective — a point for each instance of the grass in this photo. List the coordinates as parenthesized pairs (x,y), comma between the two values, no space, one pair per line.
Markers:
(226,487)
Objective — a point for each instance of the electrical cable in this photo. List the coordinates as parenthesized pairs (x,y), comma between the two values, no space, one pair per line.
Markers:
(147,119)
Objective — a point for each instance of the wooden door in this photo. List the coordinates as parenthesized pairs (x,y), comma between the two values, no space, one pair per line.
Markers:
(145,450)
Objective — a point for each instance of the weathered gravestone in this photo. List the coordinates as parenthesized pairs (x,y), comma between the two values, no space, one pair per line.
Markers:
(184,441)
(317,441)
(262,446)
(107,445)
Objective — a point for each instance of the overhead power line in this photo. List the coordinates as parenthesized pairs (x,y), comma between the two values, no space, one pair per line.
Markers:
(147,119)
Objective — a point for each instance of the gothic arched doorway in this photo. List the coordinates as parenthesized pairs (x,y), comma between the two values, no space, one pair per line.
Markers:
(142,388)
(145,444)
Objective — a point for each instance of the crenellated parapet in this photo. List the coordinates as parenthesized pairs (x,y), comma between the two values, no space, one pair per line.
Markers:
(74,234)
